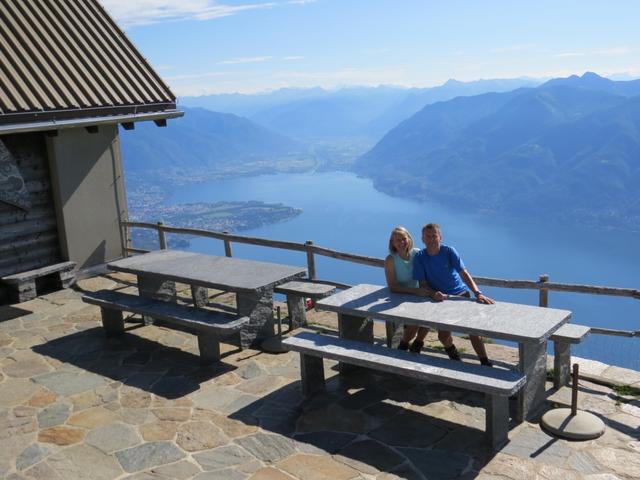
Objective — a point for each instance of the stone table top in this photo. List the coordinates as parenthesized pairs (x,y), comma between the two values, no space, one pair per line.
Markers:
(210,271)
(509,321)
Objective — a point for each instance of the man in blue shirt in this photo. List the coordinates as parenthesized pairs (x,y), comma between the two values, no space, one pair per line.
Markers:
(442,272)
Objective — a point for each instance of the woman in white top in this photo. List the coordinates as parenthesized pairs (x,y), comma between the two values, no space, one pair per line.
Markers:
(398,270)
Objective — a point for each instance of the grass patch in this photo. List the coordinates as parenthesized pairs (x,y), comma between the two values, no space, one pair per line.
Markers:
(627,390)
(440,348)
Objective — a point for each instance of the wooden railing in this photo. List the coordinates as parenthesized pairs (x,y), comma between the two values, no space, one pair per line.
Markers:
(543,285)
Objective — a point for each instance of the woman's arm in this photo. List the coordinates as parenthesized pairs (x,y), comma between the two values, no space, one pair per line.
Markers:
(390,275)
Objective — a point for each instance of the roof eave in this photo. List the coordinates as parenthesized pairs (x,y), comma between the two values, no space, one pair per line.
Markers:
(50,125)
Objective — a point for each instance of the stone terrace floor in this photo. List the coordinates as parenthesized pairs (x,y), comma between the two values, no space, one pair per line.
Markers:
(75,404)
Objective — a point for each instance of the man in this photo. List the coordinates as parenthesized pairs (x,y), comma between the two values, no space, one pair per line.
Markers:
(442,272)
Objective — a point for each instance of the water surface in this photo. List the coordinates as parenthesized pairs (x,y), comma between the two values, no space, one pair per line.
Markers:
(344,212)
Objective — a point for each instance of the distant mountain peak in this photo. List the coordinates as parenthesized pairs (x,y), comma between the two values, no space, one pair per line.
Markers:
(591,76)
(589,80)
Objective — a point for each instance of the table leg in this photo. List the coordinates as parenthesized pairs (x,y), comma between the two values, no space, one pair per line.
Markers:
(533,363)
(200,296)
(258,306)
(354,328)
(395,332)
(155,287)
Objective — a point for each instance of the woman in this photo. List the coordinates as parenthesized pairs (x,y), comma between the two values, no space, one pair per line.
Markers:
(398,270)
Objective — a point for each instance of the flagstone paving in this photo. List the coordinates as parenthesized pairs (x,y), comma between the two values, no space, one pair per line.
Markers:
(75,404)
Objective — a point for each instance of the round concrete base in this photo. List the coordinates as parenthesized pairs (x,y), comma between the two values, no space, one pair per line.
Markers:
(273,345)
(581,426)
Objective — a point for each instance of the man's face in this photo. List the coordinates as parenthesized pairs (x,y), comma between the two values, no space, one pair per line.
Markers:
(431,238)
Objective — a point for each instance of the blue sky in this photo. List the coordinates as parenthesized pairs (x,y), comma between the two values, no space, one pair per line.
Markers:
(203,46)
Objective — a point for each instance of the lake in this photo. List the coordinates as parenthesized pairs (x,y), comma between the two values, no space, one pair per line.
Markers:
(344,212)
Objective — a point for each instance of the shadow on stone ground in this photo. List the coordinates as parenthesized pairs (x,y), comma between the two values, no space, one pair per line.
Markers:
(375,423)
(135,361)
(9,312)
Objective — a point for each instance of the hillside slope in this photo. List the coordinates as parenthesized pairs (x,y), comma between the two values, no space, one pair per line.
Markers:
(565,150)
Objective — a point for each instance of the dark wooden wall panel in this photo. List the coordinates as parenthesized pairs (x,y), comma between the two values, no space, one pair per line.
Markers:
(29,239)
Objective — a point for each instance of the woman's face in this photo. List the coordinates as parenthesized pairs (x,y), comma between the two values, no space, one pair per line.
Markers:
(400,242)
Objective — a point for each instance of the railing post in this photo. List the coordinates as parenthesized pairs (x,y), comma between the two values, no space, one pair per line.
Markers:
(311,260)
(544,292)
(227,245)
(161,236)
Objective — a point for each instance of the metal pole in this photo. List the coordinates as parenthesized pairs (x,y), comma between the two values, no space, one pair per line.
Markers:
(544,293)
(311,261)
(161,236)
(574,390)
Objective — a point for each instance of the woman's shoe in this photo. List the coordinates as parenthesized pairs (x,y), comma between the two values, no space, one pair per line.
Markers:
(486,362)
(416,346)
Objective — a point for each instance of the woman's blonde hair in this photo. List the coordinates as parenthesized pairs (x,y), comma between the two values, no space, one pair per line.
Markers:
(403,231)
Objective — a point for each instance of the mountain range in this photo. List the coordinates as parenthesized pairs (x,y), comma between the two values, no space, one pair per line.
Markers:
(365,112)
(289,129)
(568,149)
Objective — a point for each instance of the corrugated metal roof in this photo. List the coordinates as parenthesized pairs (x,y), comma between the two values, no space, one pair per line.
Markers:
(65,59)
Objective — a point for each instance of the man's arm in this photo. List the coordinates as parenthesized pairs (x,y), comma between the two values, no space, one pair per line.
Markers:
(480,297)
(430,292)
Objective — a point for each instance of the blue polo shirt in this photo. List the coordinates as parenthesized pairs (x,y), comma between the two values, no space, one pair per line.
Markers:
(440,271)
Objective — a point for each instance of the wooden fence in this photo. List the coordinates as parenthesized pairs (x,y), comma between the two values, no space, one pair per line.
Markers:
(543,285)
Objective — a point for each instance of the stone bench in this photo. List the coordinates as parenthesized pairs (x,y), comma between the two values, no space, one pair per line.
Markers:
(562,339)
(209,326)
(296,293)
(22,286)
(497,384)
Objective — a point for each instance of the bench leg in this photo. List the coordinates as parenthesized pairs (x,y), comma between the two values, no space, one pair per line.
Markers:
(259,308)
(66,278)
(22,291)
(209,346)
(297,311)
(561,363)
(354,328)
(155,287)
(533,363)
(497,420)
(312,375)
(112,321)
(200,296)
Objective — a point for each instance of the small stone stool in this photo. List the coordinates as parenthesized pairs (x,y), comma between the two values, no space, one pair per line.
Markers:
(296,293)
(562,339)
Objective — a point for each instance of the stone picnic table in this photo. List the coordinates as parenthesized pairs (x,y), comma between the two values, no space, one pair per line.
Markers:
(252,281)
(529,326)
